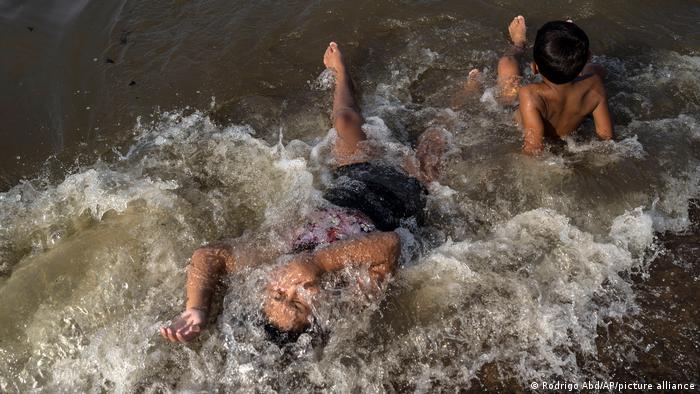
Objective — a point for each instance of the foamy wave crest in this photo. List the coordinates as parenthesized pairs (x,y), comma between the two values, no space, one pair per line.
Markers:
(530,296)
(97,261)
(530,258)
(38,218)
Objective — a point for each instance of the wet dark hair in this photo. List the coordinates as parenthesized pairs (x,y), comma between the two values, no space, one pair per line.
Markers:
(319,336)
(561,51)
(279,337)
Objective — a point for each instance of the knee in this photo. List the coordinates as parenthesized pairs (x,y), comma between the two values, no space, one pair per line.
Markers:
(509,91)
(507,98)
(346,118)
(508,65)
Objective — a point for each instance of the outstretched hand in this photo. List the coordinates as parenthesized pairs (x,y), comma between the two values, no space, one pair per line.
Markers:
(185,327)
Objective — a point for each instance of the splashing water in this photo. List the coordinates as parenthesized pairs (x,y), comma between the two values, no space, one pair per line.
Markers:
(521,261)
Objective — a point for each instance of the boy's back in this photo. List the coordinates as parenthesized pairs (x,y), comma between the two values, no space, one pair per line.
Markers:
(571,88)
(554,111)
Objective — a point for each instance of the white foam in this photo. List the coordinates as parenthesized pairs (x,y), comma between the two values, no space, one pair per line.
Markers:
(532,255)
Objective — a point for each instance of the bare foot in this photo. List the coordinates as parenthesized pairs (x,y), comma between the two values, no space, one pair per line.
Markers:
(333,59)
(185,327)
(467,90)
(473,81)
(517,30)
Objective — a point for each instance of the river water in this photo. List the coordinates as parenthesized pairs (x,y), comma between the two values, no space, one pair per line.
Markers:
(133,132)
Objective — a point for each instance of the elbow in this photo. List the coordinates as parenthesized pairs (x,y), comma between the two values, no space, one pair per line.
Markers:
(386,264)
(208,259)
(394,248)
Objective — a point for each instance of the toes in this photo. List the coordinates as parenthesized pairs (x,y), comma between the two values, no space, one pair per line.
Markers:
(474,73)
(517,21)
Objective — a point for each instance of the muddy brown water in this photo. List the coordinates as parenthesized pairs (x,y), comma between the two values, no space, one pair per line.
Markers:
(133,132)
(75,77)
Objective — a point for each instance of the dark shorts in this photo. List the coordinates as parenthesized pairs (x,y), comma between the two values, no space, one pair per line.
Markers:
(382,192)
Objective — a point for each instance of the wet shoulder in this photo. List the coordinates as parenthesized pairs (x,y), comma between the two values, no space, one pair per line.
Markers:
(592,86)
(532,94)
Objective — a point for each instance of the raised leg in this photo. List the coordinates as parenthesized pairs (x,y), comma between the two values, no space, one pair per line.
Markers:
(347,119)
(509,75)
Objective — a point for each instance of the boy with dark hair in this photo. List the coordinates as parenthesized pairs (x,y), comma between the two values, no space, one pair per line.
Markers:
(571,88)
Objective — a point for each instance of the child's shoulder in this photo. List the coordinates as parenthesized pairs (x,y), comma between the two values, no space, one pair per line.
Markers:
(592,83)
(531,93)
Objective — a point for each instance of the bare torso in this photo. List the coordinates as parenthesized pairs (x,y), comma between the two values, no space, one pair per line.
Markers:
(564,107)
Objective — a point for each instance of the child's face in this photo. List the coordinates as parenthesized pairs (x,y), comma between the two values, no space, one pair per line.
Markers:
(289,296)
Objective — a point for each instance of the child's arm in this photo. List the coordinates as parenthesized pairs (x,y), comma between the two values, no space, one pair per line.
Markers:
(533,126)
(208,265)
(601,115)
(379,250)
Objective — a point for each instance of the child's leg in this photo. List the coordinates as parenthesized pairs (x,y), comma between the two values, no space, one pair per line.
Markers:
(430,152)
(347,119)
(426,164)
(509,74)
